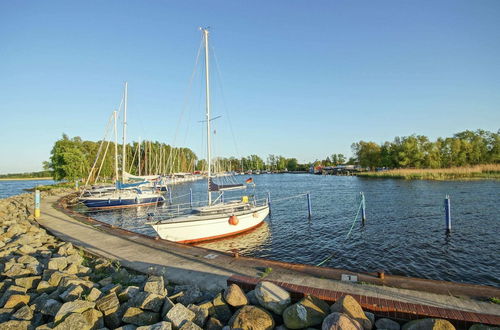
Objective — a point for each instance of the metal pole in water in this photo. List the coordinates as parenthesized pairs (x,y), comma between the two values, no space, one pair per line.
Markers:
(447,210)
(222,197)
(309,208)
(37,204)
(363,208)
(170,195)
(191,197)
(269,201)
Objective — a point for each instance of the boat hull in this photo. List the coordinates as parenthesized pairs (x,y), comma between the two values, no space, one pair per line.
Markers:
(100,203)
(195,230)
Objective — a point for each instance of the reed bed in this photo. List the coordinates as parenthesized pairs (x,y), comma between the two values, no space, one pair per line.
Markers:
(477,172)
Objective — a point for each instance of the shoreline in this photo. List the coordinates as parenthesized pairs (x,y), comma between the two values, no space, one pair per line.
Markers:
(27,179)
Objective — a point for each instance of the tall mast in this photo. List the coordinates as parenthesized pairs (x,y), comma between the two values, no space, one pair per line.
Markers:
(139,156)
(124,132)
(116,145)
(207,83)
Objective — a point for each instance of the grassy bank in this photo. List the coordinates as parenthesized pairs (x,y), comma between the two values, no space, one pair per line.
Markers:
(488,171)
(25,179)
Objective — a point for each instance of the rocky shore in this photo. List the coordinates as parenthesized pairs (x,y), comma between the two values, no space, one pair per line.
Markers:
(49,284)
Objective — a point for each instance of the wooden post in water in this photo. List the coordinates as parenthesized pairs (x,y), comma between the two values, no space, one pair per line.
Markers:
(269,201)
(363,209)
(170,195)
(191,197)
(309,207)
(37,204)
(447,210)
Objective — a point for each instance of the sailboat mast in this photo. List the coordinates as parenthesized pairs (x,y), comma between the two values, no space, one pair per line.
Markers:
(116,145)
(207,82)
(124,132)
(140,155)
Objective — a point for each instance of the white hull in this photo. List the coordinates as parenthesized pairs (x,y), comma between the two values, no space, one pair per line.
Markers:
(196,228)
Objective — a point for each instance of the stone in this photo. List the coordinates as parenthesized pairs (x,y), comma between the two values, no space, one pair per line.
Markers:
(189,326)
(201,315)
(234,296)
(65,249)
(483,327)
(94,318)
(213,324)
(167,305)
(94,294)
(51,307)
(157,326)
(76,306)
(370,317)
(127,327)
(28,282)
(5,314)
(17,300)
(138,279)
(15,325)
(27,249)
(252,299)
(71,269)
(179,314)
(251,317)
(73,321)
(27,260)
(128,293)
(44,286)
(72,293)
(428,324)
(58,263)
(139,317)
(192,295)
(148,301)
(23,313)
(340,321)
(55,278)
(39,302)
(272,297)
(121,276)
(308,312)
(105,281)
(12,289)
(384,323)
(348,305)
(221,309)
(74,259)
(16,270)
(108,304)
(112,288)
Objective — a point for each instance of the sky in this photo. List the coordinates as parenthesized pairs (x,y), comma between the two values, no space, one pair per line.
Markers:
(301,79)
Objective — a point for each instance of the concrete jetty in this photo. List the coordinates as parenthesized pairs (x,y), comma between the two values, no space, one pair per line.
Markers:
(211,270)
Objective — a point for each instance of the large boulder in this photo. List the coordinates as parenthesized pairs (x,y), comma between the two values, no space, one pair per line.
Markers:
(139,317)
(148,301)
(251,318)
(108,304)
(16,325)
(309,311)
(221,309)
(340,321)
(73,321)
(51,307)
(156,285)
(348,305)
(234,296)
(24,313)
(58,263)
(77,306)
(94,318)
(179,314)
(252,299)
(428,324)
(17,300)
(272,297)
(388,324)
(201,314)
(28,282)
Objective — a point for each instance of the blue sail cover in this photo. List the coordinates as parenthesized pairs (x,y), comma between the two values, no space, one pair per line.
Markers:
(212,186)
(120,185)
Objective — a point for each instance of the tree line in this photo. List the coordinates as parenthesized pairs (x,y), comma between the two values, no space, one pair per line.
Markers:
(417,151)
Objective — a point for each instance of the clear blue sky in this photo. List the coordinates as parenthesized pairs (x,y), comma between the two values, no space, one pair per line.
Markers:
(302,79)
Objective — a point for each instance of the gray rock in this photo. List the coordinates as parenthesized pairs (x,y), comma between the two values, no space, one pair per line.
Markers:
(384,323)
(108,304)
(252,317)
(428,324)
(94,318)
(189,326)
(17,300)
(148,301)
(128,293)
(309,311)
(221,309)
(72,293)
(167,305)
(77,306)
(157,326)
(272,297)
(5,314)
(234,296)
(201,314)
(16,325)
(139,317)
(23,313)
(192,295)
(213,324)
(121,276)
(138,279)
(483,327)
(252,299)
(340,321)
(58,263)
(28,282)
(51,307)
(73,321)
(94,294)
(44,286)
(127,327)
(370,317)
(179,314)
(348,305)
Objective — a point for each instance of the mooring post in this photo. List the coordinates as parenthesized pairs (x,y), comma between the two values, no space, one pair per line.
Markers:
(37,204)
(222,197)
(269,201)
(170,195)
(309,208)
(76,184)
(363,209)
(447,210)
(191,197)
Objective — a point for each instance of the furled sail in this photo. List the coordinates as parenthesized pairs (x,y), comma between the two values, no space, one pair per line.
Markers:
(221,187)
(128,176)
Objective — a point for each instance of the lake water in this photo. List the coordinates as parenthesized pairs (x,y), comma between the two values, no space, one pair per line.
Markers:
(15,187)
(404,233)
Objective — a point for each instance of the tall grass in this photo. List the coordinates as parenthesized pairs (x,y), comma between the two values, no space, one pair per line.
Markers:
(486,171)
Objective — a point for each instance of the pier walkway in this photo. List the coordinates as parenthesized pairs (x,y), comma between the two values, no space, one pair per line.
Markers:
(211,270)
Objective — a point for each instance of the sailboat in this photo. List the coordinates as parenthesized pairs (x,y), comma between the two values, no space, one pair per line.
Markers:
(123,194)
(217,219)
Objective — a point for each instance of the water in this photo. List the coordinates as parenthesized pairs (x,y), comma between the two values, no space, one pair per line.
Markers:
(15,187)
(404,233)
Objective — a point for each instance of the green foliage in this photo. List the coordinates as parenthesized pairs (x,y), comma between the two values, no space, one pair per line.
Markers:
(26,175)
(417,151)
(495,300)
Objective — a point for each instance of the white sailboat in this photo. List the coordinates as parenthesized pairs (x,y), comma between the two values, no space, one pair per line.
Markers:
(218,218)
